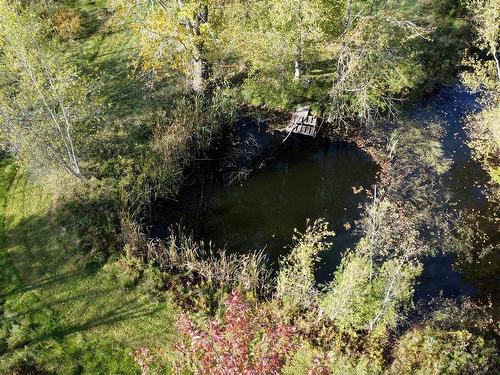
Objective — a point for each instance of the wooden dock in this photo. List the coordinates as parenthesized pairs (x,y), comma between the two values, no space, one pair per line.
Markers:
(304,123)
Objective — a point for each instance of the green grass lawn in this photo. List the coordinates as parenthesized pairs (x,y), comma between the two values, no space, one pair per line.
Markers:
(48,263)
(53,303)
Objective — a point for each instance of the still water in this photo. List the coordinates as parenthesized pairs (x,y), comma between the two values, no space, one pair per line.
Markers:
(307,179)
(466,184)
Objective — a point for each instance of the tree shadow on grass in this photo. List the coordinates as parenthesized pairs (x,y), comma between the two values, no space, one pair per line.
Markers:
(43,282)
(69,299)
(31,243)
(127,311)
(54,303)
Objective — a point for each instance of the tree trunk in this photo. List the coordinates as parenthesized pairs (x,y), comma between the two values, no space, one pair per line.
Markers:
(300,41)
(497,63)
(201,69)
(347,19)
(197,83)
(298,66)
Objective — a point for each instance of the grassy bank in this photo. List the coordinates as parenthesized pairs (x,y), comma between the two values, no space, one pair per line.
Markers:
(57,312)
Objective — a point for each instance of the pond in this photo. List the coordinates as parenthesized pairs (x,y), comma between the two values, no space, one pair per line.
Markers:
(465,183)
(306,179)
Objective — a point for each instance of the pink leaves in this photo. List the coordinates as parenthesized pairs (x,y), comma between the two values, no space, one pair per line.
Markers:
(245,343)
(143,358)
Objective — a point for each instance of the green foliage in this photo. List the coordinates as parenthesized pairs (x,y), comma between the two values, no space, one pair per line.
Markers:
(485,74)
(130,273)
(194,124)
(58,313)
(272,91)
(90,211)
(43,99)
(175,36)
(278,41)
(308,359)
(362,298)
(375,61)
(198,275)
(32,320)
(484,130)
(71,314)
(456,338)
(302,359)
(126,272)
(441,55)
(296,278)
(33,337)
(432,350)
(375,282)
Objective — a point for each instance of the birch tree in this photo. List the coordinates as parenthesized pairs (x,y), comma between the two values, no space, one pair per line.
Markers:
(374,61)
(177,34)
(484,73)
(375,282)
(276,41)
(483,77)
(307,26)
(42,99)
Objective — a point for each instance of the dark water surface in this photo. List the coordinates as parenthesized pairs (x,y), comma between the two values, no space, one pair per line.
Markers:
(305,179)
(465,183)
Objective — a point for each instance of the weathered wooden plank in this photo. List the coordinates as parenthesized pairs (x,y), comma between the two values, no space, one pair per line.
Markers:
(303,122)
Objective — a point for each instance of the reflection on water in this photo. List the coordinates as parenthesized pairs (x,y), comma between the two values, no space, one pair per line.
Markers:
(310,179)
(465,181)
(306,179)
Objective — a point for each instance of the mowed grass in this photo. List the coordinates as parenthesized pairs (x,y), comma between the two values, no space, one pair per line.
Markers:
(48,262)
(55,308)
(58,311)
(46,255)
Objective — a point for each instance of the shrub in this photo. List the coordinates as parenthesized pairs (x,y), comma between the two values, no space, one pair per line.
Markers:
(91,212)
(310,360)
(455,337)
(296,279)
(67,23)
(357,301)
(152,281)
(126,271)
(306,360)
(273,92)
(428,351)
(484,132)
(245,342)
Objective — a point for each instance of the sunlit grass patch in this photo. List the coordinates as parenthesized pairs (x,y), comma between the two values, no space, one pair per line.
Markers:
(51,296)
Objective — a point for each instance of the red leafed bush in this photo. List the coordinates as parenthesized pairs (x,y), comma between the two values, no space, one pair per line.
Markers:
(244,343)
